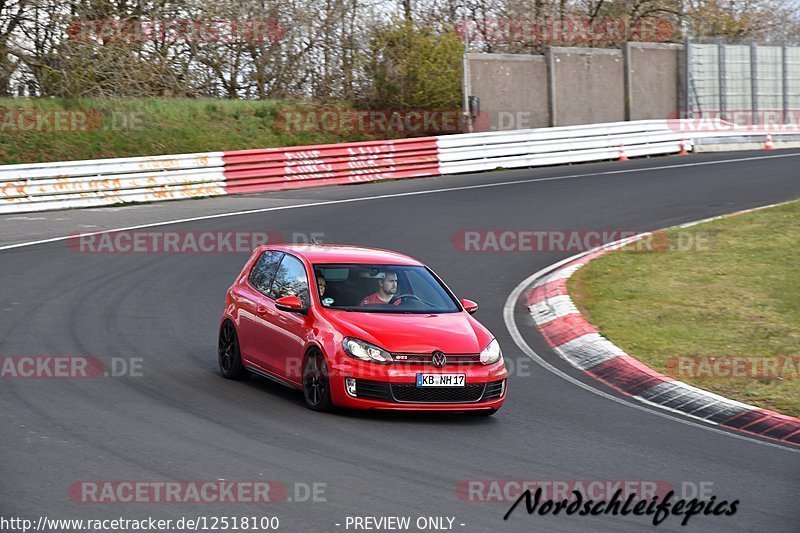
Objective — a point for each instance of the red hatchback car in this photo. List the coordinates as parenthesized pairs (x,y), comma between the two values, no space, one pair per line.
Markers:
(358,328)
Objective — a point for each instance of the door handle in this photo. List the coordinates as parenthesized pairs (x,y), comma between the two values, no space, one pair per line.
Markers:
(262,310)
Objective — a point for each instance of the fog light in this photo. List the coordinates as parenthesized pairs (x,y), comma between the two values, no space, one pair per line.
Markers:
(350,386)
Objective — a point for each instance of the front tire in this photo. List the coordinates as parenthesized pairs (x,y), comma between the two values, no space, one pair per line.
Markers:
(316,385)
(228,353)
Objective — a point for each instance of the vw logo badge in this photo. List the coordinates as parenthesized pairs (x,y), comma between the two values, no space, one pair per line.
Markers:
(438,359)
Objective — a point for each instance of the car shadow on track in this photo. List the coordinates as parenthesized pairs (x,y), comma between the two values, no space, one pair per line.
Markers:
(437,418)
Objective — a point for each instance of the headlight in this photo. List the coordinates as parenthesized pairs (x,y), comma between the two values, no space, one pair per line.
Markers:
(491,354)
(365,351)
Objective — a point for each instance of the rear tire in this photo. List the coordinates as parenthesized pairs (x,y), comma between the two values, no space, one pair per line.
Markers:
(316,385)
(228,353)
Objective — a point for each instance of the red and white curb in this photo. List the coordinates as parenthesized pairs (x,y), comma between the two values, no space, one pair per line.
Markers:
(579,343)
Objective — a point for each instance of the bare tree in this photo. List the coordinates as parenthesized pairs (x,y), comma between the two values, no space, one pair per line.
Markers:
(316,49)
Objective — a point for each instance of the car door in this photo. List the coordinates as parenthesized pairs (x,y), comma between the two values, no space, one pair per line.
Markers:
(288,330)
(255,305)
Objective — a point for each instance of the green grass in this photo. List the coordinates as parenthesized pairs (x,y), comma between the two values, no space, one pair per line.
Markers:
(737,295)
(153,126)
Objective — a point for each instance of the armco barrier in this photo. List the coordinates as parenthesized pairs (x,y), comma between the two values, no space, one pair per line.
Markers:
(47,186)
(551,146)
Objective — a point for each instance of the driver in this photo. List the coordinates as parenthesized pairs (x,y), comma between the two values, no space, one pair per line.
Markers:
(387,288)
(321,284)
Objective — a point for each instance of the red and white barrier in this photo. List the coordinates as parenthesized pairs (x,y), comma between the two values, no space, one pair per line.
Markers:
(47,186)
(332,164)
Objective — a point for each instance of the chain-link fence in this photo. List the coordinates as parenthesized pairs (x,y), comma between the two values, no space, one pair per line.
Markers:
(746,84)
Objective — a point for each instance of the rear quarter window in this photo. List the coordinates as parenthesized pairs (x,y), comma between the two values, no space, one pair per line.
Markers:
(264,270)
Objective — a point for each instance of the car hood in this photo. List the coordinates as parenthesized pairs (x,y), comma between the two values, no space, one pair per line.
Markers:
(452,333)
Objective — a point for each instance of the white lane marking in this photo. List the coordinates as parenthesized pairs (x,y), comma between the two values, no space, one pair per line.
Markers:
(394,195)
(511,325)
(508,309)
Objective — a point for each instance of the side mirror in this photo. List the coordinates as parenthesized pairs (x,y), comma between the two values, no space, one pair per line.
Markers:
(292,304)
(469,306)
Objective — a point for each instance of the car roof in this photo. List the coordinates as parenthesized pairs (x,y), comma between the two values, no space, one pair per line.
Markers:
(339,253)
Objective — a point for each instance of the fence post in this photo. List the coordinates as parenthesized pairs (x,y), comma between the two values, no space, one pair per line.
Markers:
(628,80)
(754,82)
(721,73)
(785,72)
(552,104)
(466,89)
(687,78)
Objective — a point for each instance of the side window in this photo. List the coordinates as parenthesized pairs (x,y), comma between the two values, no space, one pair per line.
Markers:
(263,271)
(291,280)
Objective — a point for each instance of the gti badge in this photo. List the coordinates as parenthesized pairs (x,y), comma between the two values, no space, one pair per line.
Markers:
(438,359)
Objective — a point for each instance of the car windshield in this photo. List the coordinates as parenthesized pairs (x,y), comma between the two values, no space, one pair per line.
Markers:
(383,289)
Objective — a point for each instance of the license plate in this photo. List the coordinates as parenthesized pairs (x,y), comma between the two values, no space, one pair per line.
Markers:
(441,380)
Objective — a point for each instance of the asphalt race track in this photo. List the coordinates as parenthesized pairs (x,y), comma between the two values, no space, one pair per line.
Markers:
(182,421)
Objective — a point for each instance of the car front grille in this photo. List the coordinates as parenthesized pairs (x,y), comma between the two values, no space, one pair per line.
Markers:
(426,358)
(410,393)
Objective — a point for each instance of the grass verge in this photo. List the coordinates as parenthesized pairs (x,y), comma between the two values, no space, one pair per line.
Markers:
(712,309)
(54,129)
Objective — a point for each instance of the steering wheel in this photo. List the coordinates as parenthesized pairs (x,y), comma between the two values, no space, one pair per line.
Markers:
(403,297)
(410,297)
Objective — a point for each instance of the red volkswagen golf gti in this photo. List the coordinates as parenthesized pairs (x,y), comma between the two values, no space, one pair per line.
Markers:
(358,328)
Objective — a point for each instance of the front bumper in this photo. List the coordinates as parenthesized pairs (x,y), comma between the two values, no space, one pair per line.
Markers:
(393,387)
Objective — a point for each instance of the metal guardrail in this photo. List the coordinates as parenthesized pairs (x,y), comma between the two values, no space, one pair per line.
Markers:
(47,186)
(551,146)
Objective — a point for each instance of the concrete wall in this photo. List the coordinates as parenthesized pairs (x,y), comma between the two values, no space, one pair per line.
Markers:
(512,90)
(654,79)
(576,86)
(587,85)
